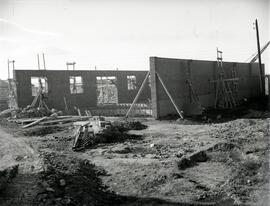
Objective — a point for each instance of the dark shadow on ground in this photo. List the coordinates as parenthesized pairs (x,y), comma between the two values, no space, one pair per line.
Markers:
(252,109)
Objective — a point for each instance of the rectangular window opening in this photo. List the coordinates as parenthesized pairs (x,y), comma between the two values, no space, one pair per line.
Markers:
(107,92)
(131,80)
(76,84)
(39,85)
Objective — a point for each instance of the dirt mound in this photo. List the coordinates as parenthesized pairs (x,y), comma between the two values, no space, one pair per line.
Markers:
(71,181)
(7,175)
(244,149)
(128,125)
(115,134)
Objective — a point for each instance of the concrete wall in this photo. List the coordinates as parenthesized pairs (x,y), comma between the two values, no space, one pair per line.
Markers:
(174,73)
(58,87)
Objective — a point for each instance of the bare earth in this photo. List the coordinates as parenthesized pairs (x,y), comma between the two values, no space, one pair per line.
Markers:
(236,169)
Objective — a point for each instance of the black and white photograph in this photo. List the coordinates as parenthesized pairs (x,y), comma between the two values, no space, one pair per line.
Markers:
(134,102)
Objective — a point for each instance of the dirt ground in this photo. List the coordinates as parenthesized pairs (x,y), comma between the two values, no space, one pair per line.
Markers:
(169,163)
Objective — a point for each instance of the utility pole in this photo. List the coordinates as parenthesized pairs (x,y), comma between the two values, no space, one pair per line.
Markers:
(259,57)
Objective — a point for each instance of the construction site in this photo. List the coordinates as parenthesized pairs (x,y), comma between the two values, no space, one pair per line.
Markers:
(187,132)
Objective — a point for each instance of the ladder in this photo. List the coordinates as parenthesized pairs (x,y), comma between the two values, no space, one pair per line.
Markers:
(224,96)
(235,82)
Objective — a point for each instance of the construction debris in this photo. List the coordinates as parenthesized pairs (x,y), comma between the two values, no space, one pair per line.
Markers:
(192,159)
(97,130)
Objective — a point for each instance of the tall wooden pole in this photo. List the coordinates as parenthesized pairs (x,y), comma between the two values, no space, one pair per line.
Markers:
(8,70)
(13,66)
(259,57)
(44,64)
(38,61)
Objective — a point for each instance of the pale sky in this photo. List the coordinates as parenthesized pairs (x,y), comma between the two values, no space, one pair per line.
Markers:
(124,33)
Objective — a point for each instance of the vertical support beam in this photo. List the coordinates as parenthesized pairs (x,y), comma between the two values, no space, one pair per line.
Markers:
(38,61)
(13,68)
(44,64)
(8,70)
(259,57)
(188,80)
(154,87)
(9,87)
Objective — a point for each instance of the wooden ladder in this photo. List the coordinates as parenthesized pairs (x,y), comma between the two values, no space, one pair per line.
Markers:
(224,94)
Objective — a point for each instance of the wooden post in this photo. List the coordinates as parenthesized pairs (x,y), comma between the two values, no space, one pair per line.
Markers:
(138,94)
(66,105)
(8,70)
(259,57)
(174,104)
(44,64)
(38,61)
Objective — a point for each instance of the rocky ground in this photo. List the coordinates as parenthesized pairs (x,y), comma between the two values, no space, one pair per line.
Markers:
(168,163)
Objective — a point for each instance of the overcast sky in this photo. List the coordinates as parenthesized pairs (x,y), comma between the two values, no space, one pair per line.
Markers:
(124,33)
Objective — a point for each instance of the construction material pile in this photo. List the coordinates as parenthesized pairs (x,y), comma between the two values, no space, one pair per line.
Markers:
(97,130)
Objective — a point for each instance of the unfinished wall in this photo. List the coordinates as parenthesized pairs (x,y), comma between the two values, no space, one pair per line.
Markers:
(59,87)
(174,73)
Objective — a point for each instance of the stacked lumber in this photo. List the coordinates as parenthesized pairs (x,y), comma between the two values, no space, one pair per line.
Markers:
(30,122)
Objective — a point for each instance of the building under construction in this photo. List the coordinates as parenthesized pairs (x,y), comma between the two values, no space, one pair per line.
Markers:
(102,92)
(191,85)
(177,86)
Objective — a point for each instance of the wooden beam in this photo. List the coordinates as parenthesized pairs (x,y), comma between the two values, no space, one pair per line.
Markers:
(169,95)
(35,122)
(138,94)
(226,80)
(259,57)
